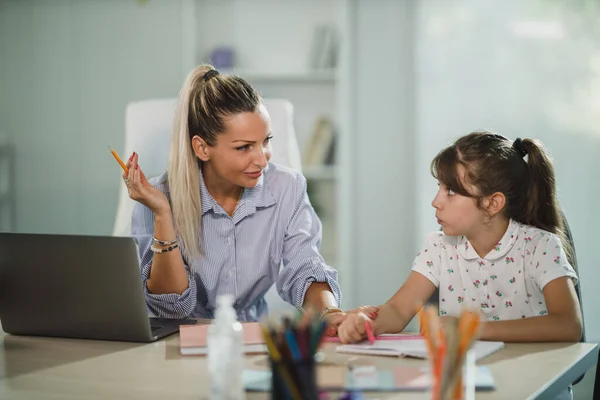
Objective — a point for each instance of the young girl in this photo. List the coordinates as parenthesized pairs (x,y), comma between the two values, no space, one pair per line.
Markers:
(502,249)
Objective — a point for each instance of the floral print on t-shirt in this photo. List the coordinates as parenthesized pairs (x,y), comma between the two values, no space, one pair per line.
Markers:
(505,284)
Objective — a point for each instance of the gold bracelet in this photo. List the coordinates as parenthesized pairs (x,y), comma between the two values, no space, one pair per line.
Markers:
(163,242)
(329,310)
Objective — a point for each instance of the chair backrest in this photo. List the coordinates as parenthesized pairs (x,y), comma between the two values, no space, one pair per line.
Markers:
(148,126)
(573,261)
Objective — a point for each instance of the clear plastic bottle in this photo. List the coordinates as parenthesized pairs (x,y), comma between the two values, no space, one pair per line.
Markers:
(226,352)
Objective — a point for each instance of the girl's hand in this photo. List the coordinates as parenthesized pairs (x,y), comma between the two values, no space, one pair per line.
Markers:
(353,327)
(140,190)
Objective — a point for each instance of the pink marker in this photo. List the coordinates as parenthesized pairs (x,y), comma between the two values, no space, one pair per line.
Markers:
(369,333)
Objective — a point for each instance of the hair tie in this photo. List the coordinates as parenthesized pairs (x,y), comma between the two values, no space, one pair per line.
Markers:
(519,146)
(209,74)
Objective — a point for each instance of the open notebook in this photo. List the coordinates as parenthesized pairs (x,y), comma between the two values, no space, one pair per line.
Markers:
(415,348)
(193,339)
(383,336)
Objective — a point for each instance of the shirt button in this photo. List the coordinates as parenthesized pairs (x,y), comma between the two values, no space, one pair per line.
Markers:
(231,272)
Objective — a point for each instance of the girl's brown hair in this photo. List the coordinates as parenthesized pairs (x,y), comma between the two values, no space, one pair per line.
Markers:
(521,170)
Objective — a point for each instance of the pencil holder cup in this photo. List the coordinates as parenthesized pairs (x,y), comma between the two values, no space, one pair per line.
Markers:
(293,380)
(456,385)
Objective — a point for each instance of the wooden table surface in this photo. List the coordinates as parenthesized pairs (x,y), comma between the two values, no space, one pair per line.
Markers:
(52,368)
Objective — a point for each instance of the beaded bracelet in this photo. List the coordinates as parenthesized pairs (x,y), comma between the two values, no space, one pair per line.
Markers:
(164,243)
(170,248)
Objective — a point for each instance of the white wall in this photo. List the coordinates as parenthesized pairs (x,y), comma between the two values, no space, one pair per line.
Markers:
(68,70)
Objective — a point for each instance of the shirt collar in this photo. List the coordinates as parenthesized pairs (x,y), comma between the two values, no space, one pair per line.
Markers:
(502,248)
(252,198)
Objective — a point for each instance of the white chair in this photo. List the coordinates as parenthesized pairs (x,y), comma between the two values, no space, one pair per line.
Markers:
(148,127)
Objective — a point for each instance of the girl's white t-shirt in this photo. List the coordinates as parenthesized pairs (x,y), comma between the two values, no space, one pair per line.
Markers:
(505,284)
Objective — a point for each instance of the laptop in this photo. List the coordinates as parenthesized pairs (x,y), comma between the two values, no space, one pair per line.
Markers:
(86,287)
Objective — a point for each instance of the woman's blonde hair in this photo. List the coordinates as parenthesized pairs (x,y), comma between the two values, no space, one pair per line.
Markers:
(206,99)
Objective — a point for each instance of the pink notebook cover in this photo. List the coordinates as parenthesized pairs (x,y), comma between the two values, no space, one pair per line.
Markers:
(400,336)
(196,335)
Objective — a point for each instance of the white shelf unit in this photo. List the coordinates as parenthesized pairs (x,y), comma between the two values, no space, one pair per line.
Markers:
(263,57)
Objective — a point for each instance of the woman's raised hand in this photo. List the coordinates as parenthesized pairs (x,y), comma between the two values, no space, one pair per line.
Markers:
(141,190)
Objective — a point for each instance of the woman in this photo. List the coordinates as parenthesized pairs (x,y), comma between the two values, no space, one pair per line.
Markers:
(223,218)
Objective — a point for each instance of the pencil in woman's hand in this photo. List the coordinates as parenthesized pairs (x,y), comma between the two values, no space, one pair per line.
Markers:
(114,153)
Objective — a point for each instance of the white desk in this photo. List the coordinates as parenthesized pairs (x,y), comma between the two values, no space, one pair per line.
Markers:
(47,368)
